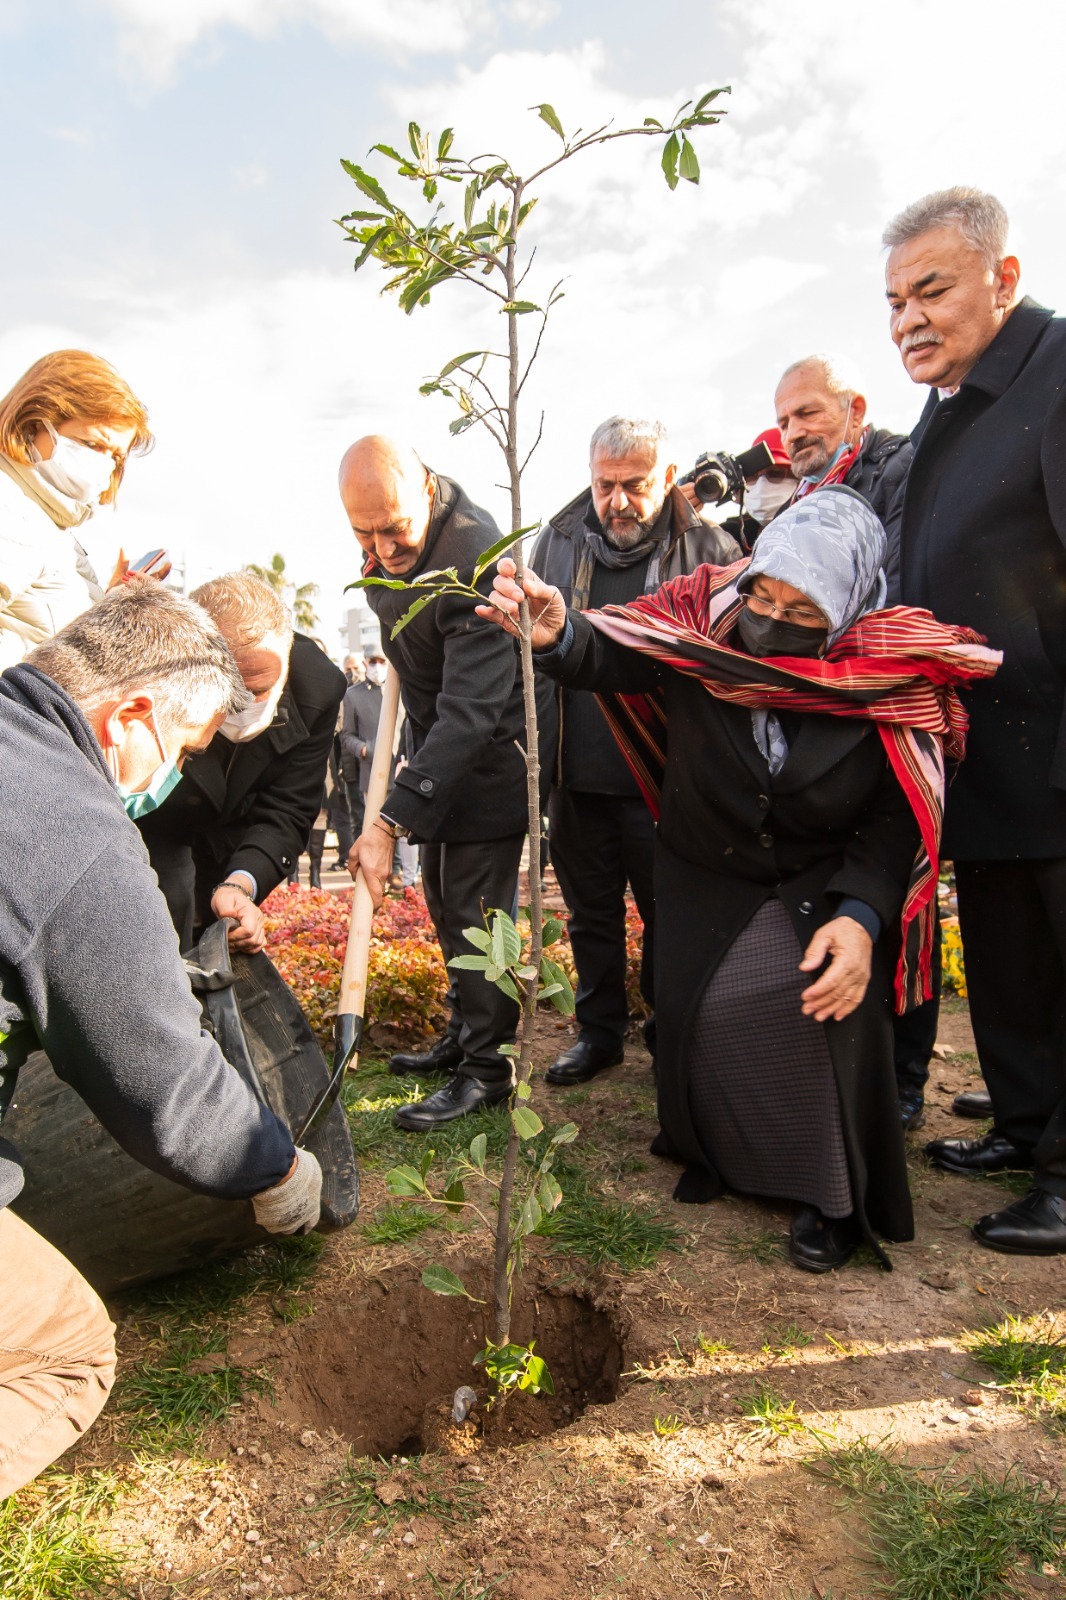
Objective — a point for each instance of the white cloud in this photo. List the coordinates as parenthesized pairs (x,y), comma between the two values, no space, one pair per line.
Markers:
(78,136)
(157,33)
(252,176)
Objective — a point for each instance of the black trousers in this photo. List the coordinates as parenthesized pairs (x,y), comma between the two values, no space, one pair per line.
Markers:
(601,842)
(461,882)
(914,1033)
(356,805)
(1012,917)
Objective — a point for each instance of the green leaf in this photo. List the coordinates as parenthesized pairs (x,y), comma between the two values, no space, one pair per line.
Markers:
(369,186)
(553,929)
(518,308)
(414,135)
(506,940)
(470,963)
(566,1134)
(444,143)
(537,1378)
(378,583)
(522,1090)
(548,115)
(460,361)
(370,246)
(500,548)
(705,100)
(506,983)
(526,1122)
(550,992)
(652,122)
(455,1195)
(689,166)
(405,1181)
(412,613)
(439,1280)
(387,150)
(549,1192)
(551,974)
(478,1150)
(508,1050)
(671,152)
(530,1214)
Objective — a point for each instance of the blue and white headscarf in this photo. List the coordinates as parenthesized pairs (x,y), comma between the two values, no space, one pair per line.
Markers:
(831,547)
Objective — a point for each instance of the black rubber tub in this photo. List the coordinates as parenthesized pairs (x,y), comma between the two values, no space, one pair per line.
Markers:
(121,1224)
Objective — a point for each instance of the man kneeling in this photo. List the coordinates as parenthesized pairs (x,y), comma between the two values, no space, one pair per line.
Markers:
(95,727)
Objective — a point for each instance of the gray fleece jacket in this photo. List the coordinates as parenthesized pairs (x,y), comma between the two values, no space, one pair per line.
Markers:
(90,970)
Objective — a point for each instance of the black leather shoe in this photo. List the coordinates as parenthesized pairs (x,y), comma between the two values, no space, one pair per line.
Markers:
(991,1153)
(459,1096)
(1035,1225)
(911,1108)
(976,1103)
(582,1061)
(818,1244)
(444,1056)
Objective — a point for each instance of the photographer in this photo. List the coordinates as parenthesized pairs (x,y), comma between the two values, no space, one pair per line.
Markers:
(627,534)
(768,485)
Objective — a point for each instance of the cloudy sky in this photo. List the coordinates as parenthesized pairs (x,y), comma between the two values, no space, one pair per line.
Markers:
(173,175)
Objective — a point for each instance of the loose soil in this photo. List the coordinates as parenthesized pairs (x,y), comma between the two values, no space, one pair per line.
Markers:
(643,1479)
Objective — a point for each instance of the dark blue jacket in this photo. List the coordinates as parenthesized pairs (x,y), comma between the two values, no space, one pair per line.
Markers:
(89,965)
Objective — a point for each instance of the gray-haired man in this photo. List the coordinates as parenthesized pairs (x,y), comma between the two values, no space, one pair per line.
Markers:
(983,542)
(622,537)
(95,727)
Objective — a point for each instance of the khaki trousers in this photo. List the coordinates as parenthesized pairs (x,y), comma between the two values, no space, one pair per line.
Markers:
(57,1354)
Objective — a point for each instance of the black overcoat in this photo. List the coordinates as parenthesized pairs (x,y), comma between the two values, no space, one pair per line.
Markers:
(833,823)
(983,542)
(462,690)
(251,806)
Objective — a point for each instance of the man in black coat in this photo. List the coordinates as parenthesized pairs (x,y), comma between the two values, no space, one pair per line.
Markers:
(360,712)
(236,827)
(983,542)
(822,412)
(462,794)
(624,536)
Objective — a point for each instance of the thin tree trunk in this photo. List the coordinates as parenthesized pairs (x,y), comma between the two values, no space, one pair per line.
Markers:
(504,1240)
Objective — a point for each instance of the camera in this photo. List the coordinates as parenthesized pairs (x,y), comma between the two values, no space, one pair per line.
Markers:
(718,476)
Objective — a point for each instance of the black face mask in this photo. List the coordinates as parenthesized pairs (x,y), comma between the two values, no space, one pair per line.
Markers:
(766,636)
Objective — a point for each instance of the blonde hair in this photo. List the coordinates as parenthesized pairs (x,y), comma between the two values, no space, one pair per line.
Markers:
(243,608)
(65,386)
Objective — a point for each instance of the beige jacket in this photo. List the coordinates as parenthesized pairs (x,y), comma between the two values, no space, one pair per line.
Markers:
(46,578)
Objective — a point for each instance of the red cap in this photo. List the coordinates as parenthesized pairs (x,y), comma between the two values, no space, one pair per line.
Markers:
(771,437)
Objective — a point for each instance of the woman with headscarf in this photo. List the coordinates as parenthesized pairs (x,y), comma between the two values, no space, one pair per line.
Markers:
(790,736)
(67,429)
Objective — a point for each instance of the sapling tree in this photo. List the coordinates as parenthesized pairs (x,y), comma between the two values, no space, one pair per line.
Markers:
(470,231)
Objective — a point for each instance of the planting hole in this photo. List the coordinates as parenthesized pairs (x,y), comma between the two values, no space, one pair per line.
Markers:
(381,1366)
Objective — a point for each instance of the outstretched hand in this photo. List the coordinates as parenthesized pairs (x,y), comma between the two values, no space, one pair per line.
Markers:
(547,608)
(843,983)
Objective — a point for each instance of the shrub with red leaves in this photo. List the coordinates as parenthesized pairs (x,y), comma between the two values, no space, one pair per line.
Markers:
(307,930)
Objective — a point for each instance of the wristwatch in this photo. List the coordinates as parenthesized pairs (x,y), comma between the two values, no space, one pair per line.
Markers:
(397,829)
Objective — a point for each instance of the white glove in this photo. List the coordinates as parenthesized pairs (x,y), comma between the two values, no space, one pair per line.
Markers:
(293,1205)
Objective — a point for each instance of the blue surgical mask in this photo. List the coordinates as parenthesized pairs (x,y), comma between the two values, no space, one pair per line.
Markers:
(164,780)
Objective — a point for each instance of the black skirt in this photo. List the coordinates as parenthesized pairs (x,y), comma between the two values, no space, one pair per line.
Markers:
(762,1092)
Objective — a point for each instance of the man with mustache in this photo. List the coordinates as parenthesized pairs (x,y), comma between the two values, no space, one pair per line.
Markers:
(821,412)
(983,540)
(622,537)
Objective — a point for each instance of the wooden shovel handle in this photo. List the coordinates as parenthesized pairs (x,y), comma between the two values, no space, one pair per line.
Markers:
(357,955)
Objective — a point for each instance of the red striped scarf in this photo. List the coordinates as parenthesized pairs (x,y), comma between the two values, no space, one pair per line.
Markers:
(837,473)
(896,667)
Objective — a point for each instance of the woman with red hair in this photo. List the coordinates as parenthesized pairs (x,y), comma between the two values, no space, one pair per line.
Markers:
(67,429)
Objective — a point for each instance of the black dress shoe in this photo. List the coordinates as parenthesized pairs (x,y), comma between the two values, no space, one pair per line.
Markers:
(976,1103)
(1035,1225)
(582,1061)
(911,1108)
(818,1244)
(991,1153)
(444,1056)
(459,1096)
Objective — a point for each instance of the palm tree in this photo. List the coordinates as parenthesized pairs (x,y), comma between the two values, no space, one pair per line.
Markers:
(298,596)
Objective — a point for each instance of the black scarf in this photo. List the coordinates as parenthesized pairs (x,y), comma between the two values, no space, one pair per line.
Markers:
(596,549)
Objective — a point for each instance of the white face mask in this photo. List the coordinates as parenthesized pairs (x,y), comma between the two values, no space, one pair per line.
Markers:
(241,726)
(375,672)
(765,497)
(75,470)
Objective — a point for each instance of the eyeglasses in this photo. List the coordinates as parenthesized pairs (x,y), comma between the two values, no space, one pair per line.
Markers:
(763,607)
